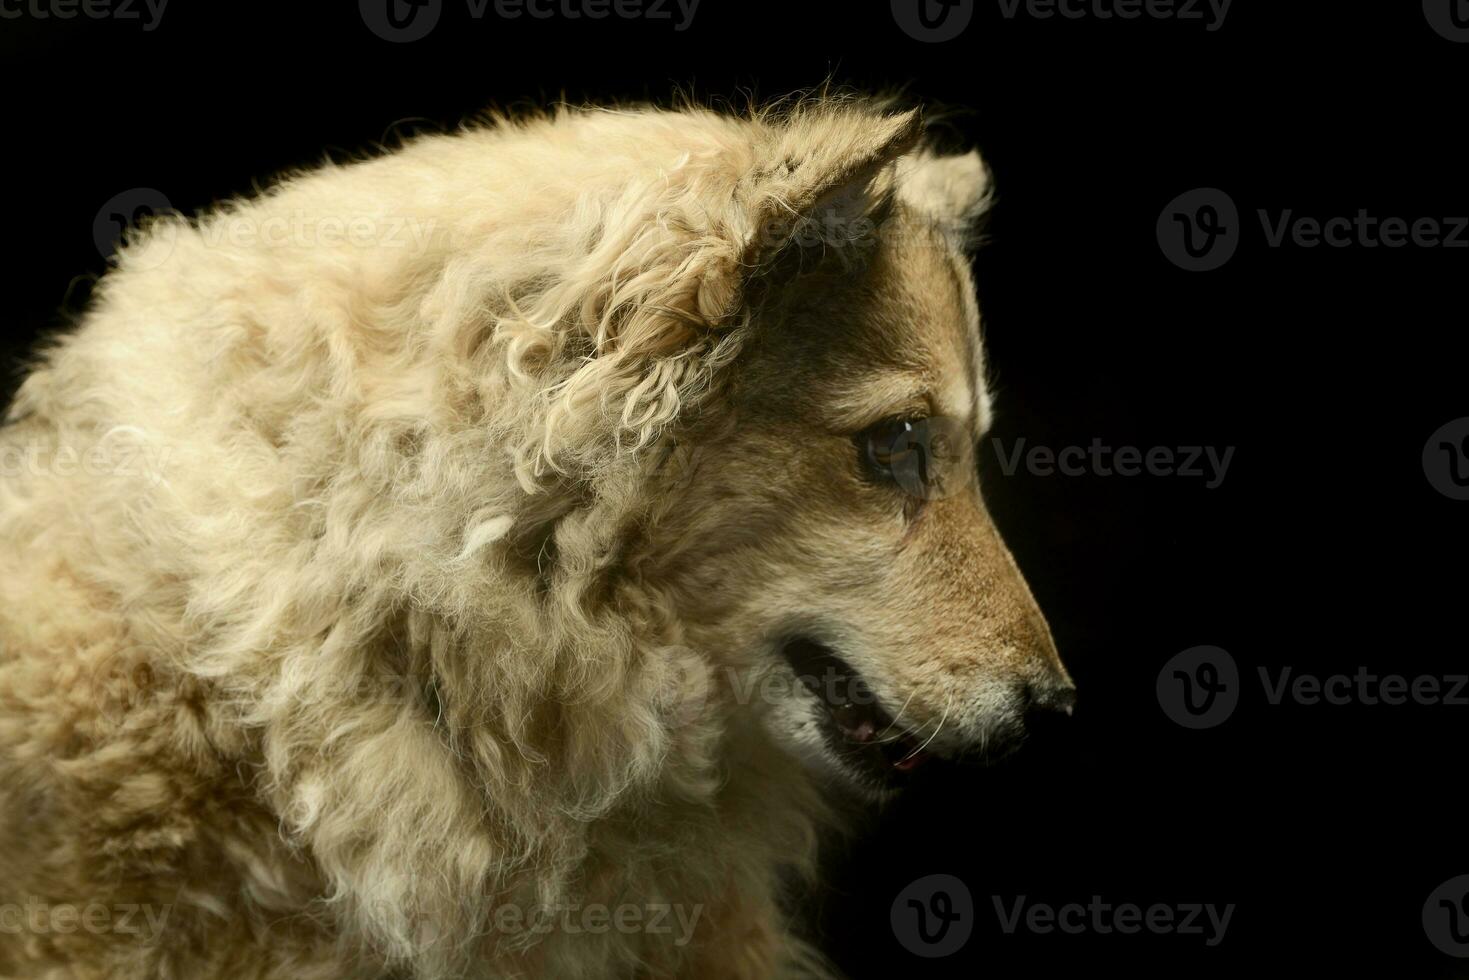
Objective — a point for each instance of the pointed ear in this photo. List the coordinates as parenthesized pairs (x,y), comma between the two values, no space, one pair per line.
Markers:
(831,181)
(954,191)
(660,297)
(824,180)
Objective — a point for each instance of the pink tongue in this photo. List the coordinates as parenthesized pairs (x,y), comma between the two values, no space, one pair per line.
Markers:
(915,758)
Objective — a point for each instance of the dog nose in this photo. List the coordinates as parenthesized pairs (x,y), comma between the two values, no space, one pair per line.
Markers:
(1052,698)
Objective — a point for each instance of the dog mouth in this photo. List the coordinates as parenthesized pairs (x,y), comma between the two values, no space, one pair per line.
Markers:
(855,726)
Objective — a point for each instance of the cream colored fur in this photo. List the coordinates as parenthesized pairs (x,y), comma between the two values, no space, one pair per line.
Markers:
(370,608)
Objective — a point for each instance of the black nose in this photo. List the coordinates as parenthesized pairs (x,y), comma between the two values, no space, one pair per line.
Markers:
(1051,699)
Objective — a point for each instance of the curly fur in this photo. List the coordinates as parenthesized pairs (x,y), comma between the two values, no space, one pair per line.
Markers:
(376,636)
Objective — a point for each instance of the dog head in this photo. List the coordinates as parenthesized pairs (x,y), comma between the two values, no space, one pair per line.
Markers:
(823,534)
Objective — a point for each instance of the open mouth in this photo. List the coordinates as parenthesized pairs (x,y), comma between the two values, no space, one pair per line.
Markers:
(856,728)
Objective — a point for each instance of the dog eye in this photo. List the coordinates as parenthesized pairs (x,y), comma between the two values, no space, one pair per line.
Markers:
(925,458)
(887,443)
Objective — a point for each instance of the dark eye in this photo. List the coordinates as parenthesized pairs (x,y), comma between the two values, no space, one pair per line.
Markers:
(924,457)
(886,444)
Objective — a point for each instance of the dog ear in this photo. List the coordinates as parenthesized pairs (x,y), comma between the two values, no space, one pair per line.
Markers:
(824,184)
(953,191)
(835,185)
(657,303)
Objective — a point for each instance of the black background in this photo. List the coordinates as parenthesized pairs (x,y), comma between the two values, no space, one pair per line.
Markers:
(1327,369)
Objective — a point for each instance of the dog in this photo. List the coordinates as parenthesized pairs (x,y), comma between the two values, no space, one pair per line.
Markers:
(494,557)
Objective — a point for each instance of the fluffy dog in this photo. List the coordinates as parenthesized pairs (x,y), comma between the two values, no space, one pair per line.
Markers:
(480,560)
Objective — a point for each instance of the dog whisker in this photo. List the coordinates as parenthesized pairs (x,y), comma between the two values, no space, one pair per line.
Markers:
(948,703)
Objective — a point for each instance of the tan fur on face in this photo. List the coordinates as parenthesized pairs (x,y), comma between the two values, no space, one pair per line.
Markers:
(928,605)
(402,616)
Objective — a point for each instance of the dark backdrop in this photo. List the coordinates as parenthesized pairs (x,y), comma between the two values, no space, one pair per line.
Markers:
(1325,548)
